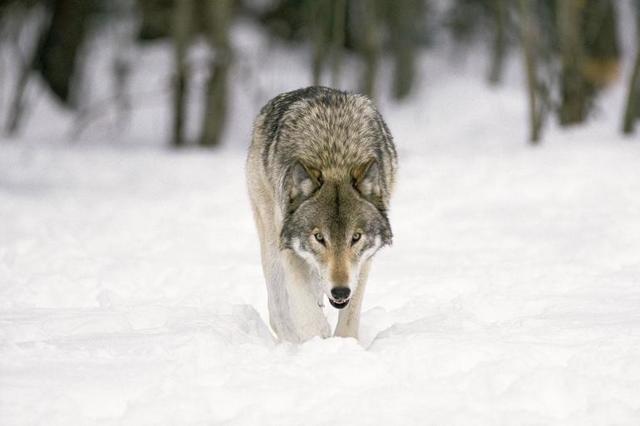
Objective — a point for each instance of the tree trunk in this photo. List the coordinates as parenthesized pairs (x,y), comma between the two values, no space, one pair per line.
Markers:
(318,15)
(368,42)
(58,51)
(25,67)
(183,14)
(529,35)
(337,39)
(215,111)
(601,47)
(402,20)
(574,88)
(499,42)
(631,110)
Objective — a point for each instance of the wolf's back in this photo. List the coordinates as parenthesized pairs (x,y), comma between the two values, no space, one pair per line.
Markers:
(324,129)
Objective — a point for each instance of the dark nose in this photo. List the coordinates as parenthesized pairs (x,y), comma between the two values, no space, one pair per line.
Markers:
(340,293)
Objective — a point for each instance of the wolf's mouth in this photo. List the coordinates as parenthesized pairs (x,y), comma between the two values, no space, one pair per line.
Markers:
(339,304)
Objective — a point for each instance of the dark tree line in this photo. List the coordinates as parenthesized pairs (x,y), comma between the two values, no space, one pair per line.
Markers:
(569,48)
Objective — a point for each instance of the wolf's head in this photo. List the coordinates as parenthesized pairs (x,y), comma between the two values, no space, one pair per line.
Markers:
(335,225)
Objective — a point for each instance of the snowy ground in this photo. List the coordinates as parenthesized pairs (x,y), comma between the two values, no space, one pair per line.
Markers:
(130,288)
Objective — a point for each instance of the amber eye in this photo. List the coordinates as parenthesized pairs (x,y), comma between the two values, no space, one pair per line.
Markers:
(356,237)
(319,237)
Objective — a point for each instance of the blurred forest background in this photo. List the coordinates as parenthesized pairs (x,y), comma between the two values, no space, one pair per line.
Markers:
(570,50)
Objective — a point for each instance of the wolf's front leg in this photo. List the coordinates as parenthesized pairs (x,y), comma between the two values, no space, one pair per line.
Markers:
(295,314)
(349,317)
(297,319)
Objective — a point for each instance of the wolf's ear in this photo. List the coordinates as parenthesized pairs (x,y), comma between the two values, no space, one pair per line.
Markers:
(303,181)
(366,179)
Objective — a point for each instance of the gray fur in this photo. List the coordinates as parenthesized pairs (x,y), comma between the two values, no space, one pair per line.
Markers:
(327,130)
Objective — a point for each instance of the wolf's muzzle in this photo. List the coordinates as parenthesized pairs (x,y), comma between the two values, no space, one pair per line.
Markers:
(340,297)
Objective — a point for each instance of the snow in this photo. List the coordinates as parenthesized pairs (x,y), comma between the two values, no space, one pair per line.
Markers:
(131,291)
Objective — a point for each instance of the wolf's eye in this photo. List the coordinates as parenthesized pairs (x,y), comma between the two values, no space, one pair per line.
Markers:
(319,237)
(356,237)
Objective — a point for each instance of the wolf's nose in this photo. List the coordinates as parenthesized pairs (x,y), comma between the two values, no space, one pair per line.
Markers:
(340,293)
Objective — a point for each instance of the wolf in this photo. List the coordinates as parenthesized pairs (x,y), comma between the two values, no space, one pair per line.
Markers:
(320,172)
